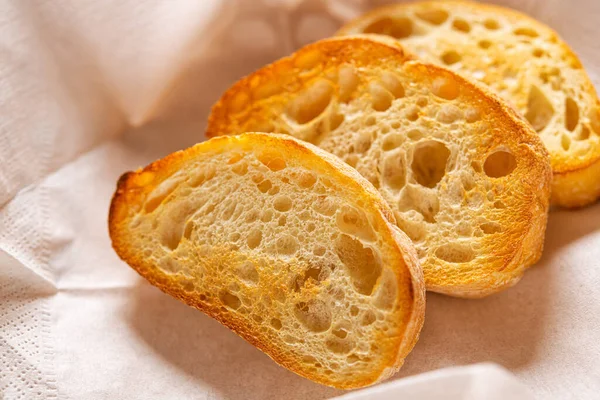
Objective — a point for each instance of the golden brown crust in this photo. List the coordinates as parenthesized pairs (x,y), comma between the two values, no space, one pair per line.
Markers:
(133,187)
(504,255)
(575,175)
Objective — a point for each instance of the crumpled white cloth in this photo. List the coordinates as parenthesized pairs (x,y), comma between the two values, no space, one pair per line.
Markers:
(89,90)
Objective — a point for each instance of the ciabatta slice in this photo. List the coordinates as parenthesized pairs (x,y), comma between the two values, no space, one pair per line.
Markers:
(284,244)
(523,60)
(468,180)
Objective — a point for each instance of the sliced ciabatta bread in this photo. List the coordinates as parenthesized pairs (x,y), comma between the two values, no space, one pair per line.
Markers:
(468,180)
(284,244)
(525,62)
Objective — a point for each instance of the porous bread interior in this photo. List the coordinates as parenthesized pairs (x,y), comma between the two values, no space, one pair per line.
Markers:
(468,180)
(519,58)
(274,245)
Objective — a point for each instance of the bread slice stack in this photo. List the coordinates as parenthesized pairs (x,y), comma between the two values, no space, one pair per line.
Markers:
(343,180)
(467,178)
(284,244)
(522,60)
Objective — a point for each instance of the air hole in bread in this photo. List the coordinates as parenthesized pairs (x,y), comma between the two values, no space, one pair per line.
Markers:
(340,332)
(354,311)
(491,24)
(266,215)
(188,230)
(414,134)
(394,171)
(266,89)
(368,318)
(264,186)
(571,114)
(352,359)
(392,141)
(499,204)
(461,25)
(254,239)
(398,28)
(451,57)
(230,300)
(159,194)
(247,273)
(386,291)
(472,114)
(363,142)
(526,32)
(381,98)
(490,228)
(339,346)
(584,133)
(240,168)
(304,215)
(273,191)
(282,220)
(276,324)
(319,250)
(257,318)
(311,103)
(234,158)
(445,88)
(595,120)
(335,121)
(537,53)
(282,203)
(449,113)
(286,245)
(429,162)
(311,276)
(352,160)
(484,44)
(421,200)
(391,82)
(435,16)
(565,142)
(354,222)
(468,181)
(539,109)
(411,113)
(500,163)
(361,262)
(455,253)
(228,210)
(306,180)
(314,315)
(413,230)
(324,206)
(189,286)
(307,60)
(251,216)
(370,121)
(273,161)
(348,82)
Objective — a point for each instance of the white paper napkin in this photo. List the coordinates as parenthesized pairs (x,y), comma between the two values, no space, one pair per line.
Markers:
(89,90)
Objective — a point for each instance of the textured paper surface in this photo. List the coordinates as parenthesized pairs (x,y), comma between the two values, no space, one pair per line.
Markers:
(89,90)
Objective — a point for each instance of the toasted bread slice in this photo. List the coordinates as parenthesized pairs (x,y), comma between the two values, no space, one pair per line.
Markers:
(521,59)
(284,244)
(468,180)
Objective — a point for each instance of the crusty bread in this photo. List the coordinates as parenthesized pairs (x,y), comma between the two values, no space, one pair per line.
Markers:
(284,244)
(521,59)
(468,179)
